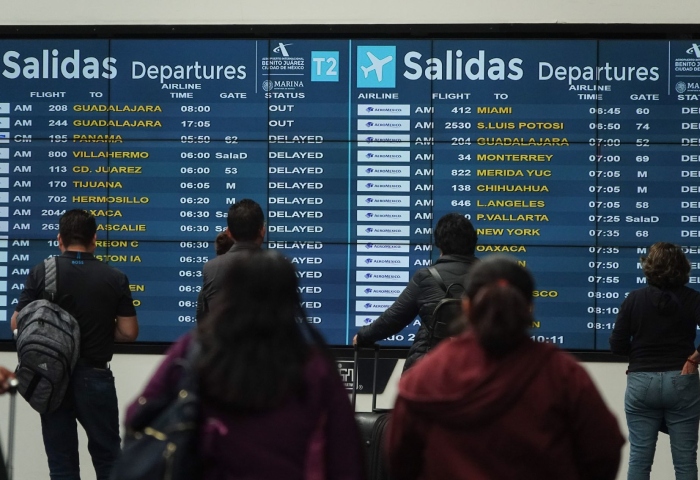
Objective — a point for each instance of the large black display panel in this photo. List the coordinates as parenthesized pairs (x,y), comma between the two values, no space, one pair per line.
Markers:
(571,155)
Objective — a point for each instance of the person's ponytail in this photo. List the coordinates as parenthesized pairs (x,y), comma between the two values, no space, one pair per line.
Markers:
(500,297)
(500,317)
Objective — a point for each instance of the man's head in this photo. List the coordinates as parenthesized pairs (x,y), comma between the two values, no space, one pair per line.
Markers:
(246,221)
(77,228)
(455,235)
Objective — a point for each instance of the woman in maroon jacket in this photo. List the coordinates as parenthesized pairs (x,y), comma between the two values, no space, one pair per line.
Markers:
(492,404)
(274,407)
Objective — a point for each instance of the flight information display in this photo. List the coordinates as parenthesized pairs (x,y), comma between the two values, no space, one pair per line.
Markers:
(573,156)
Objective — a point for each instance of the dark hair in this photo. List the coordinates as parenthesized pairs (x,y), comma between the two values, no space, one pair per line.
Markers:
(666,266)
(223,243)
(254,347)
(77,227)
(455,235)
(500,294)
(245,220)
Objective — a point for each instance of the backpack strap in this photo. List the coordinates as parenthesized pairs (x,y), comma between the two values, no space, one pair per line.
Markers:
(436,275)
(51,279)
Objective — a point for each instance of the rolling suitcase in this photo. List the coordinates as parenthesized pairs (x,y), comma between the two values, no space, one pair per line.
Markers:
(372,426)
(6,467)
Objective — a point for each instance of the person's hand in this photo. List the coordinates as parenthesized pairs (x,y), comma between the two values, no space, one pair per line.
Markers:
(5,377)
(354,341)
(689,368)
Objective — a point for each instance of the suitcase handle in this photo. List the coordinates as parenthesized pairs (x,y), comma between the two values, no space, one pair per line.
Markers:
(6,463)
(356,376)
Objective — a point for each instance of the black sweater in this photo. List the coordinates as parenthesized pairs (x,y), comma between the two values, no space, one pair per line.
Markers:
(656,328)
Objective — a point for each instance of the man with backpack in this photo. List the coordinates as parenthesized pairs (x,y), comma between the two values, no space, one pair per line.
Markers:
(98,297)
(456,239)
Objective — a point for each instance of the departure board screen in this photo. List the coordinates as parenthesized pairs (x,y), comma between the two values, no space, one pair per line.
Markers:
(573,156)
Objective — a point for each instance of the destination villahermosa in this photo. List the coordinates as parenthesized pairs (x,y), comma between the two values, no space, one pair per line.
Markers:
(110,154)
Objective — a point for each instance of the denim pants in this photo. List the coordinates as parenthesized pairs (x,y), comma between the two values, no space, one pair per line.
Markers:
(652,397)
(91,400)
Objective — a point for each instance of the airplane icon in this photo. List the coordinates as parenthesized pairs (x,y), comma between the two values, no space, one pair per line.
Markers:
(377,65)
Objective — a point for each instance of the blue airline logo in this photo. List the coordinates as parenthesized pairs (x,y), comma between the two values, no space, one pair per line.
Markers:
(376,67)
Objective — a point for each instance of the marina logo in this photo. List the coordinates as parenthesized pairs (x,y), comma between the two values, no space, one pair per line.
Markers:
(695,49)
(268,85)
(376,67)
(282,48)
(681,87)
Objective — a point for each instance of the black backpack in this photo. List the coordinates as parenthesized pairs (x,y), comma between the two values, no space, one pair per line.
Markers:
(48,346)
(447,313)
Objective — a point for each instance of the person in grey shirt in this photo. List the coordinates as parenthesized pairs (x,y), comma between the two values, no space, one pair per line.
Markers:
(246,226)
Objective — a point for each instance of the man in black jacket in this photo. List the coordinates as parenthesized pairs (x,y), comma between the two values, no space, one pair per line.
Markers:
(456,239)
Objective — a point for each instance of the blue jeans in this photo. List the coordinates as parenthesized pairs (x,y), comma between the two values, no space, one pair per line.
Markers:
(91,399)
(652,397)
